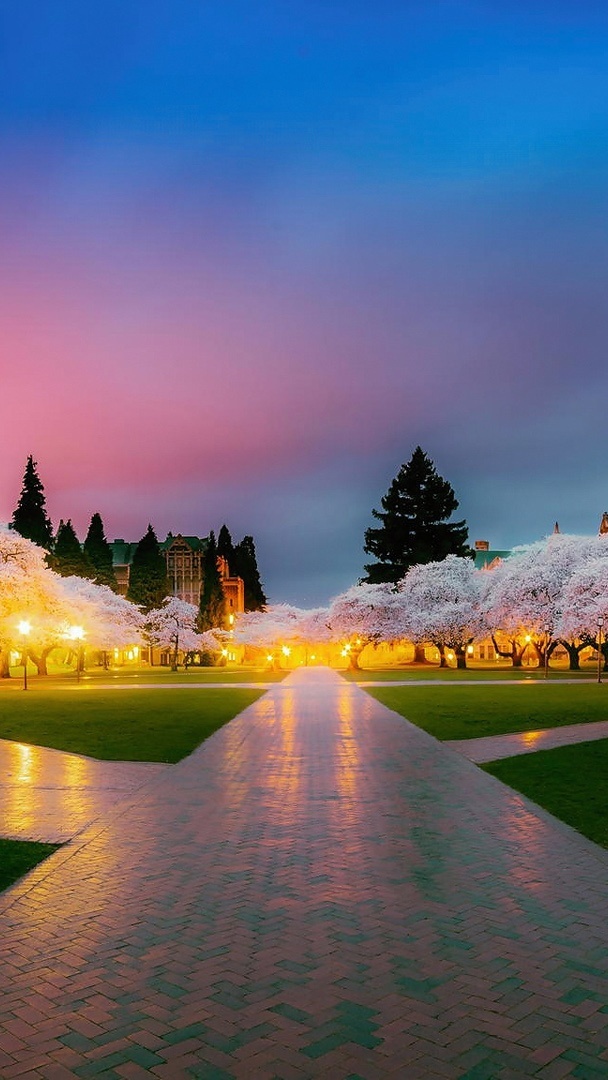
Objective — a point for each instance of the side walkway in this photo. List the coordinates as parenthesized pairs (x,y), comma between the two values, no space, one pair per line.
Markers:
(494,747)
(50,795)
(321,890)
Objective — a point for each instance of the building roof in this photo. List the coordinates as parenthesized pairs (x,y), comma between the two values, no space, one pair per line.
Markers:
(124,550)
(196,543)
(488,558)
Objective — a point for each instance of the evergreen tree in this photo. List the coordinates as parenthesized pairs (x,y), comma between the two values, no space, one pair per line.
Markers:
(414,523)
(225,547)
(148,582)
(245,566)
(99,552)
(211,612)
(68,558)
(30,518)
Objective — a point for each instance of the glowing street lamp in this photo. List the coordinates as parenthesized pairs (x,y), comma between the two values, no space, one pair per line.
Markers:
(600,623)
(24,629)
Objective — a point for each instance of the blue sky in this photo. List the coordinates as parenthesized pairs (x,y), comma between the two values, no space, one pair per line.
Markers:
(256,252)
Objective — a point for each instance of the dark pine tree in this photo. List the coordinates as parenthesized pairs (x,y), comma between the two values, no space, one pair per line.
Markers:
(414,523)
(225,547)
(148,582)
(68,558)
(245,566)
(211,612)
(99,553)
(30,518)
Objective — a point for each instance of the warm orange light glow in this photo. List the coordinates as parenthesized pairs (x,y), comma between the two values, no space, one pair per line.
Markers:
(76,633)
(470,650)
(24,627)
(530,738)
(286,650)
(269,658)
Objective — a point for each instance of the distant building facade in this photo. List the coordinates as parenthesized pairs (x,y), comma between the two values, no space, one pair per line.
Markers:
(184,558)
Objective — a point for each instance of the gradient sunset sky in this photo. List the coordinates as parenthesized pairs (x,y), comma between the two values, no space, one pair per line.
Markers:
(253,253)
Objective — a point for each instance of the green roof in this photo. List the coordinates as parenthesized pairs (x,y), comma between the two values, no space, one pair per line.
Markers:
(485,558)
(124,550)
(197,543)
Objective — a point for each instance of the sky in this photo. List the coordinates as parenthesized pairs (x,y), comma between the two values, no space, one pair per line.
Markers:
(254,252)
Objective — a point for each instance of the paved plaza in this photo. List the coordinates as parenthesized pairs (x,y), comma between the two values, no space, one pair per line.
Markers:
(320,890)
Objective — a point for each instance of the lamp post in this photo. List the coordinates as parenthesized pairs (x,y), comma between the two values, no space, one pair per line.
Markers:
(24,629)
(546,629)
(600,623)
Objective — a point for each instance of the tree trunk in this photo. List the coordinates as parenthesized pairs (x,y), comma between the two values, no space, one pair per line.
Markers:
(515,653)
(461,658)
(573,654)
(41,661)
(443,661)
(420,655)
(353,659)
(5,671)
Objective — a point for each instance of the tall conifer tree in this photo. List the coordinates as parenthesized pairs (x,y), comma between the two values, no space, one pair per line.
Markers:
(29,517)
(148,582)
(99,552)
(414,522)
(212,605)
(68,558)
(245,566)
(225,547)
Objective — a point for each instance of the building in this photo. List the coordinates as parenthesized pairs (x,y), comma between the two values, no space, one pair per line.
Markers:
(486,558)
(184,558)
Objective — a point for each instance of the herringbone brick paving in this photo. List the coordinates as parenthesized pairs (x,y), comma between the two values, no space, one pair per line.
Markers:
(321,890)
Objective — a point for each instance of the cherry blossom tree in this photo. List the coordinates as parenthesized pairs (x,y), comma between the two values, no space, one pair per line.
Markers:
(173,626)
(584,603)
(279,626)
(441,604)
(30,594)
(523,596)
(108,620)
(362,615)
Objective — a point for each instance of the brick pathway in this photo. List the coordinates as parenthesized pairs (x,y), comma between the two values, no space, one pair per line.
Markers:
(321,890)
(49,795)
(494,747)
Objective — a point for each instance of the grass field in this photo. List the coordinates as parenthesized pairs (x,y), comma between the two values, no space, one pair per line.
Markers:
(120,725)
(469,711)
(477,673)
(568,781)
(17,857)
(128,676)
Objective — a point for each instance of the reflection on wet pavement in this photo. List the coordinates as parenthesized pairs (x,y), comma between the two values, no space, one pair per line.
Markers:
(495,747)
(49,795)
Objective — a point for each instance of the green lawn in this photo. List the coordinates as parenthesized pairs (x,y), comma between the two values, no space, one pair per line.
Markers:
(18,856)
(157,675)
(569,781)
(120,725)
(476,673)
(469,712)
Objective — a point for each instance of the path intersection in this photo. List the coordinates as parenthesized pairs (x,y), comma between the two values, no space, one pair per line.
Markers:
(320,890)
